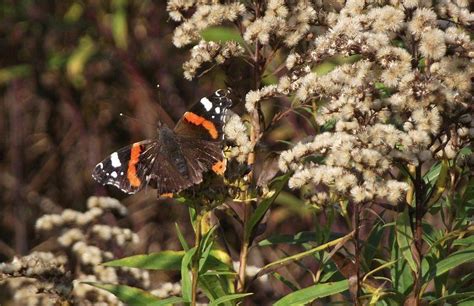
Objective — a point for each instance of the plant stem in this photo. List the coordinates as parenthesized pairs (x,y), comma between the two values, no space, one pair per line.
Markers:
(196,257)
(419,212)
(254,137)
(355,223)
(243,250)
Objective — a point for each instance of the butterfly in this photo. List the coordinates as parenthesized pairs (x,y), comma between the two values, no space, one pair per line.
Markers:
(178,158)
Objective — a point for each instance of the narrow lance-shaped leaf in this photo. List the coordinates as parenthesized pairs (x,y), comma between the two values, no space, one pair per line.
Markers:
(264,205)
(280,263)
(405,238)
(309,294)
(454,260)
(228,298)
(135,296)
(186,285)
(165,260)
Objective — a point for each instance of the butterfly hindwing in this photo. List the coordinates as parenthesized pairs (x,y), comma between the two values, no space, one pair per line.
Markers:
(178,158)
(202,156)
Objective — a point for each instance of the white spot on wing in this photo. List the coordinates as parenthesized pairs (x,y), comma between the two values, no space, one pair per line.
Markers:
(115,160)
(114,174)
(206,103)
(218,110)
(100,165)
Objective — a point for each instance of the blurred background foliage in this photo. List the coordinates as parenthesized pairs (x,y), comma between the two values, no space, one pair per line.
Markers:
(67,70)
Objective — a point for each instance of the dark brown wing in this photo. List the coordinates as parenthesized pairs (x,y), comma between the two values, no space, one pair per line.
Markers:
(128,168)
(205,119)
(202,156)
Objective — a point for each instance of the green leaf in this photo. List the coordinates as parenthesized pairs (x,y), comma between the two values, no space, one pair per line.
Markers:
(454,260)
(119,24)
(222,34)
(292,203)
(78,59)
(165,260)
(228,298)
(216,286)
(13,72)
(298,238)
(181,238)
(74,13)
(383,90)
(219,273)
(285,281)
(405,237)
(309,294)
(374,242)
(206,246)
(464,241)
(262,208)
(337,243)
(401,275)
(456,297)
(134,296)
(186,286)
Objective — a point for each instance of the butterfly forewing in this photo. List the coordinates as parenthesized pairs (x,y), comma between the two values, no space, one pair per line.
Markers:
(205,120)
(128,168)
(178,158)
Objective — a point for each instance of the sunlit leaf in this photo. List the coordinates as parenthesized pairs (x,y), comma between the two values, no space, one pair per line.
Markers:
(165,260)
(78,59)
(286,260)
(119,24)
(186,280)
(309,294)
(454,260)
(135,296)
(405,238)
(182,240)
(228,298)
(464,241)
(13,72)
(74,12)
(401,273)
(222,34)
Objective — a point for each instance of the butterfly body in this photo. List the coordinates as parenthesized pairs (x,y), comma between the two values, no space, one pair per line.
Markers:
(176,159)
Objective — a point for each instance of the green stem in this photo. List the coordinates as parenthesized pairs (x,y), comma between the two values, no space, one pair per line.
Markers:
(196,257)
(243,251)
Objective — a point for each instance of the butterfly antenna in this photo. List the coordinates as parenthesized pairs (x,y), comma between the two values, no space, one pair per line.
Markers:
(133,118)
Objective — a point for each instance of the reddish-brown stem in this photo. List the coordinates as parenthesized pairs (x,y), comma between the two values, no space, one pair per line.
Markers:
(254,136)
(419,212)
(355,224)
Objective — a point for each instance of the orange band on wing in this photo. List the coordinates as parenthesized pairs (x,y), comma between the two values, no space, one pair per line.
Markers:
(219,167)
(132,165)
(198,120)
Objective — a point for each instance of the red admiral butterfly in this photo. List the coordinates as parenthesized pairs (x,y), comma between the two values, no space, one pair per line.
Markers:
(178,158)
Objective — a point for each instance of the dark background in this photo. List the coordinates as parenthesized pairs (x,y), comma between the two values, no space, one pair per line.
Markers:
(67,70)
